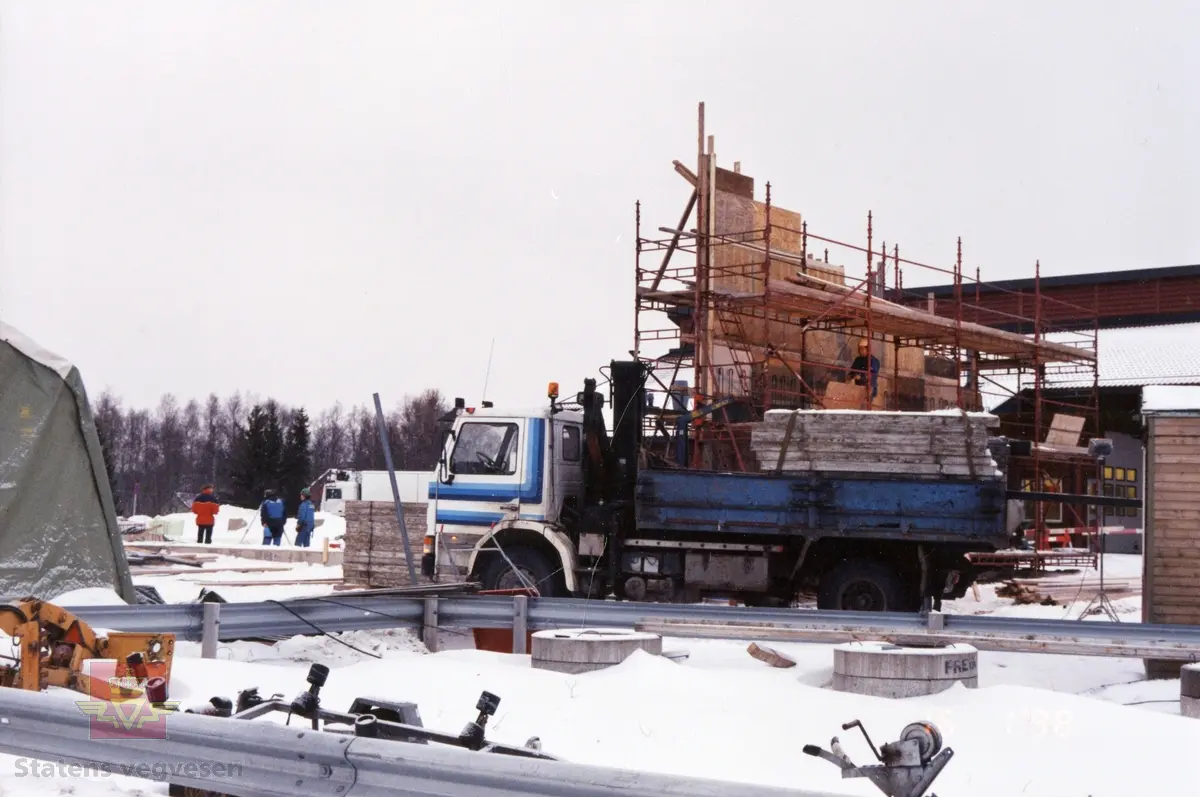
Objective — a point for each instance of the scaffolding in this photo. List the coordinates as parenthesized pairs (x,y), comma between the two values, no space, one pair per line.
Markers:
(737,314)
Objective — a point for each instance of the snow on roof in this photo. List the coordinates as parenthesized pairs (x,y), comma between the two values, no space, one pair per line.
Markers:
(1170,398)
(33,351)
(1128,357)
(1161,355)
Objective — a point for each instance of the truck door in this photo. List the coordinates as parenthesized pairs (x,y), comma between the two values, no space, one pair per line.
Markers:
(491,476)
(569,464)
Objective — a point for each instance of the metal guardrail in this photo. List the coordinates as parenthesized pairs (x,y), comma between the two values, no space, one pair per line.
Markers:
(334,614)
(249,758)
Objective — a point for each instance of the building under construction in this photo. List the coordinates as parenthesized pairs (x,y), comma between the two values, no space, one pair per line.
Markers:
(741,309)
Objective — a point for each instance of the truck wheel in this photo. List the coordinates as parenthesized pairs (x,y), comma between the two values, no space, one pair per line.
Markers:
(533,567)
(860,585)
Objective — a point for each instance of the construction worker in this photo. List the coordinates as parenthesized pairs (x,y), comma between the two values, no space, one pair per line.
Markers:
(859,368)
(273,516)
(205,508)
(306,517)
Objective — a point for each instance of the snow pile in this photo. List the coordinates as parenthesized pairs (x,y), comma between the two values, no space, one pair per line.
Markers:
(649,713)
(89,596)
(181,527)
(185,587)
(335,650)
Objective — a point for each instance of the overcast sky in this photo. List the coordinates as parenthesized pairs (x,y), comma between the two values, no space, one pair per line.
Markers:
(320,200)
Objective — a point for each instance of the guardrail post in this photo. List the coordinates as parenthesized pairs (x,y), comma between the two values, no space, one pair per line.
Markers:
(935,621)
(520,623)
(429,627)
(209,628)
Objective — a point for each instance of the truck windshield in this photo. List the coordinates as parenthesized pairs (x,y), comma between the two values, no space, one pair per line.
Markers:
(333,492)
(485,448)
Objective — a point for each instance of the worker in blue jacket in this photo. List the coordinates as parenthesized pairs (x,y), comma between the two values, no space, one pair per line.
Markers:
(306,518)
(273,517)
(864,362)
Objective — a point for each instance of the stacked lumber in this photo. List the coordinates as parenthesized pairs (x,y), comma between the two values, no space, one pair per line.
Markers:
(374,551)
(922,444)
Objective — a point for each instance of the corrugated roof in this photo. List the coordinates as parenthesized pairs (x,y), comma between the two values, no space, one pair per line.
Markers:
(1161,355)
(1168,354)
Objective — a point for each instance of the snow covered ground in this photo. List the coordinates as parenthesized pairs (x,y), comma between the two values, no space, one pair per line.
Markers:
(1038,725)
(181,527)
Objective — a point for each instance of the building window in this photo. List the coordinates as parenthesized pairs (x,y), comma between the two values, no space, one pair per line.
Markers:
(1131,474)
(1108,473)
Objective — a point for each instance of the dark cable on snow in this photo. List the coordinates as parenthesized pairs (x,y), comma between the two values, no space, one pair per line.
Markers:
(323,632)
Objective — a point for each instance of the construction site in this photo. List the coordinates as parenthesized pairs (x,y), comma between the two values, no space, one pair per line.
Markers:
(803,452)
(741,308)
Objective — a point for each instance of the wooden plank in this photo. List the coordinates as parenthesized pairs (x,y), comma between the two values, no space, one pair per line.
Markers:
(1181,553)
(1192,459)
(1178,450)
(1176,499)
(1171,427)
(1065,430)
(930,466)
(1177,617)
(280,582)
(1173,579)
(1179,439)
(844,455)
(887,419)
(178,571)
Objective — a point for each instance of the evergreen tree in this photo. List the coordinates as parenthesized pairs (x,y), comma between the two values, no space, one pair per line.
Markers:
(297,461)
(109,465)
(253,469)
(272,466)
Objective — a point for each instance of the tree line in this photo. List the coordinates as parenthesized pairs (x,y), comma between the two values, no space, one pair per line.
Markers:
(159,459)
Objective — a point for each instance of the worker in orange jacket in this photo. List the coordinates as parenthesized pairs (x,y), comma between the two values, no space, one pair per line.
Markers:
(205,508)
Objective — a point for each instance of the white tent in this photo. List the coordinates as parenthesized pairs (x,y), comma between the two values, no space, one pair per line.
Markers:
(58,525)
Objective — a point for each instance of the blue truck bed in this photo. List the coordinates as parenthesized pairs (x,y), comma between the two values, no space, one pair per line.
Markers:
(822,504)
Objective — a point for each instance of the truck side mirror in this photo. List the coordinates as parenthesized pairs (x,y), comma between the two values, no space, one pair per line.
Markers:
(445,475)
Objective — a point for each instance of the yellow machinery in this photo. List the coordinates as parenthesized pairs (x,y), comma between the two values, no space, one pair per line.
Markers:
(53,645)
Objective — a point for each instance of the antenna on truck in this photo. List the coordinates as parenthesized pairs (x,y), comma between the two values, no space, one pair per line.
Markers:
(487,374)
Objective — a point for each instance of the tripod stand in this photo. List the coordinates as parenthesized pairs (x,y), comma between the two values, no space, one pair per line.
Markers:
(1100,600)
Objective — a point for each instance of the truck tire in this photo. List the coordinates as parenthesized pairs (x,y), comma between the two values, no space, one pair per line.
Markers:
(860,585)
(532,565)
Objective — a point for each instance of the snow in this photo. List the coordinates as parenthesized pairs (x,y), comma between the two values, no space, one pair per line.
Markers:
(181,526)
(1038,725)
(1170,398)
(89,596)
(901,413)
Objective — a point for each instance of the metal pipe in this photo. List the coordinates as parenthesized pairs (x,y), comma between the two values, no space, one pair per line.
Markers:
(381,425)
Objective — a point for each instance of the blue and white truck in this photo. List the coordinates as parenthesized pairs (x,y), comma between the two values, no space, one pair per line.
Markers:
(548,498)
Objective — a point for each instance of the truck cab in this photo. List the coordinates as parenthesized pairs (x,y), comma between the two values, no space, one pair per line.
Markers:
(504,478)
(342,487)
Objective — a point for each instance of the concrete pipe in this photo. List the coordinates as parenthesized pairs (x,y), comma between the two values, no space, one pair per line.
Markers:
(579,650)
(1189,691)
(882,669)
